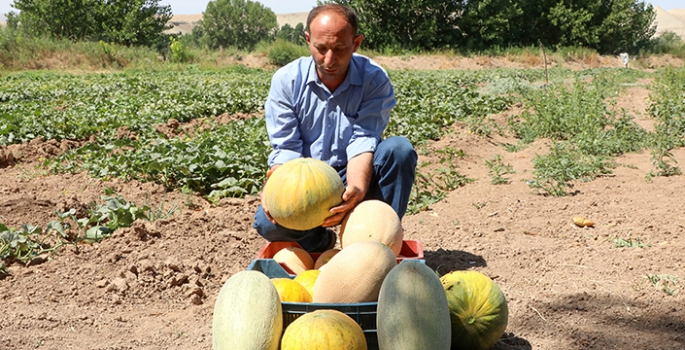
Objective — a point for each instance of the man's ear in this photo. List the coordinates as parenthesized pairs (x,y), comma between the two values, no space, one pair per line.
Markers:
(306,37)
(358,41)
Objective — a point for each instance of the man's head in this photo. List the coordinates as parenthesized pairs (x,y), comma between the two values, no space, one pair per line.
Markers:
(332,37)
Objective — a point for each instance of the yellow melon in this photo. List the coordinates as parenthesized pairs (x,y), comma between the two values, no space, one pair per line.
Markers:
(307,279)
(355,274)
(373,220)
(324,330)
(294,259)
(291,291)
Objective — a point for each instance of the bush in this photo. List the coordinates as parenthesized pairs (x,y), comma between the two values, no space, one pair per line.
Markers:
(666,43)
(283,52)
(179,51)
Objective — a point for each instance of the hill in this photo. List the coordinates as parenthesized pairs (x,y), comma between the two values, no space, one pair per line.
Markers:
(185,23)
(673,21)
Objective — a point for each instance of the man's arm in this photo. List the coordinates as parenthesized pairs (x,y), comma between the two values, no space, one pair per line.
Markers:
(359,172)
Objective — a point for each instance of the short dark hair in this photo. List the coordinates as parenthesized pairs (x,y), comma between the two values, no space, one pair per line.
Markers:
(342,10)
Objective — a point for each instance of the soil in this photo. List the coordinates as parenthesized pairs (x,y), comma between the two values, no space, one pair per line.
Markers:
(153,285)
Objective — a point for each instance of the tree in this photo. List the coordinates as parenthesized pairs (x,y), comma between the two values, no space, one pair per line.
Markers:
(237,23)
(133,22)
(409,24)
(62,19)
(128,22)
(293,35)
(489,23)
(627,27)
(608,26)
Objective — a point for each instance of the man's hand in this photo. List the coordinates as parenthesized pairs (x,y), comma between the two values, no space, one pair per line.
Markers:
(261,195)
(359,171)
(351,197)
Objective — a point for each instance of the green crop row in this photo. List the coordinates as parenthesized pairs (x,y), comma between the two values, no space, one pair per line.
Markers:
(71,106)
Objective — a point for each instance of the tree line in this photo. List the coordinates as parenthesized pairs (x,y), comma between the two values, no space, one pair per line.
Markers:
(607,26)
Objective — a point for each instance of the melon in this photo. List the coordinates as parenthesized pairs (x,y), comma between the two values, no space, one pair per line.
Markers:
(324,329)
(294,259)
(478,309)
(355,274)
(247,314)
(325,257)
(300,193)
(373,220)
(412,310)
(307,279)
(291,291)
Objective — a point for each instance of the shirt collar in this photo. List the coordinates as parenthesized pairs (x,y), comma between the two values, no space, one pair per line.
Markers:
(353,76)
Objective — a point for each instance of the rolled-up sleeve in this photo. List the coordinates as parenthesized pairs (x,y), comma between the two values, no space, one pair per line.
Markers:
(373,116)
(281,121)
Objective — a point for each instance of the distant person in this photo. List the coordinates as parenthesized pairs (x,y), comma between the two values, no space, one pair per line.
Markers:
(334,106)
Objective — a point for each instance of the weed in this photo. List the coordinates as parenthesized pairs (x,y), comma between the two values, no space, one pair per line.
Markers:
(666,283)
(30,241)
(629,243)
(479,205)
(433,187)
(498,169)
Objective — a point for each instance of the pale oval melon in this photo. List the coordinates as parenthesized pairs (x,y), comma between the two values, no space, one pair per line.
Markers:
(412,310)
(355,274)
(247,314)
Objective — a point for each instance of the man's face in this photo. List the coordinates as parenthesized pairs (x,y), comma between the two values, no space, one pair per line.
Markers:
(332,42)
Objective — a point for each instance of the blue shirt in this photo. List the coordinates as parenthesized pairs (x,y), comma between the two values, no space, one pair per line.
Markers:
(303,118)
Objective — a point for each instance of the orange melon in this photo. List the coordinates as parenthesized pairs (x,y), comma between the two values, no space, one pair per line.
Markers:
(373,220)
(300,193)
(355,274)
(294,259)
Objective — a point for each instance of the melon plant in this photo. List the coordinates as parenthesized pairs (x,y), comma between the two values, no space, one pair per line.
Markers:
(373,220)
(247,314)
(300,193)
(412,310)
(478,310)
(324,329)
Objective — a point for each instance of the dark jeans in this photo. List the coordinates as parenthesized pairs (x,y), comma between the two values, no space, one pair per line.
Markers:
(394,168)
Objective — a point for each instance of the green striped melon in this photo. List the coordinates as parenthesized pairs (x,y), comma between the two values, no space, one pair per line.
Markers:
(478,310)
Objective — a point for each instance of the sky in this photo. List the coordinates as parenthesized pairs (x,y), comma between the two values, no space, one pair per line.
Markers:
(189,7)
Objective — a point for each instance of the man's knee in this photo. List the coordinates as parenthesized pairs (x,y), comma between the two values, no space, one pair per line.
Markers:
(398,149)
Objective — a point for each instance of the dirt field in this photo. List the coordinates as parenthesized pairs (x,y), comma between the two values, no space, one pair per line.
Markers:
(153,286)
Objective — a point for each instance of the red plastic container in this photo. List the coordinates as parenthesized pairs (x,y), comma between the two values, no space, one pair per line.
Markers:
(411,249)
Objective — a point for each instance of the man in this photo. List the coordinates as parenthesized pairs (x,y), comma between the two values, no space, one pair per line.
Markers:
(335,106)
